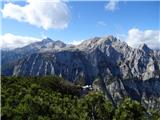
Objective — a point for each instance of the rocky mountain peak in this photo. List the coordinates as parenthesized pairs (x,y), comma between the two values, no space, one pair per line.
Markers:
(107,40)
(111,38)
(47,40)
(145,48)
(97,41)
(59,43)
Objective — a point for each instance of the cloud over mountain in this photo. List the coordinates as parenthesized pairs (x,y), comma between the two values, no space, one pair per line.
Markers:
(137,37)
(11,41)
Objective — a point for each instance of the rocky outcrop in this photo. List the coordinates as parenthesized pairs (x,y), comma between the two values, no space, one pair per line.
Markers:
(147,92)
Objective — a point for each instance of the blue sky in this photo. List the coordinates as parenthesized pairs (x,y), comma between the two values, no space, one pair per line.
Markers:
(88,19)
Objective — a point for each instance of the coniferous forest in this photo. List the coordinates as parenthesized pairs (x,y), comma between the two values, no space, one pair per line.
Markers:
(52,98)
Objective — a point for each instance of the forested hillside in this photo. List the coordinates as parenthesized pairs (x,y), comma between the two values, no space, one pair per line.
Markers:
(52,98)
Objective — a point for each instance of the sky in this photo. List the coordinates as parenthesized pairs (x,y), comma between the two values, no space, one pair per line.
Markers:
(24,22)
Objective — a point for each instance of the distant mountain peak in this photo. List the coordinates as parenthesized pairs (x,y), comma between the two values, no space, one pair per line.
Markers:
(145,48)
(111,37)
(46,40)
(59,41)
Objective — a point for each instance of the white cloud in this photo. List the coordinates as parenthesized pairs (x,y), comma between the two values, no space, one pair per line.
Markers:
(111,5)
(76,42)
(10,41)
(137,37)
(101,23)
(43,35)
(41,13)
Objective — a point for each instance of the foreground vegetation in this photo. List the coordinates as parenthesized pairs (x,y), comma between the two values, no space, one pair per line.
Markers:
(52,98)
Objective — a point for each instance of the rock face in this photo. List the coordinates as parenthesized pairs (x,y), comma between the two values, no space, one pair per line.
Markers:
(122,70)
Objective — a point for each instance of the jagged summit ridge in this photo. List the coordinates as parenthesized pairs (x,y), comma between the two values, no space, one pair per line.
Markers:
(145,48)
(46,40)
(118,58)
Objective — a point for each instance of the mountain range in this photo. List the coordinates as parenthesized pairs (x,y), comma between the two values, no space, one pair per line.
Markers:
(106,63)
